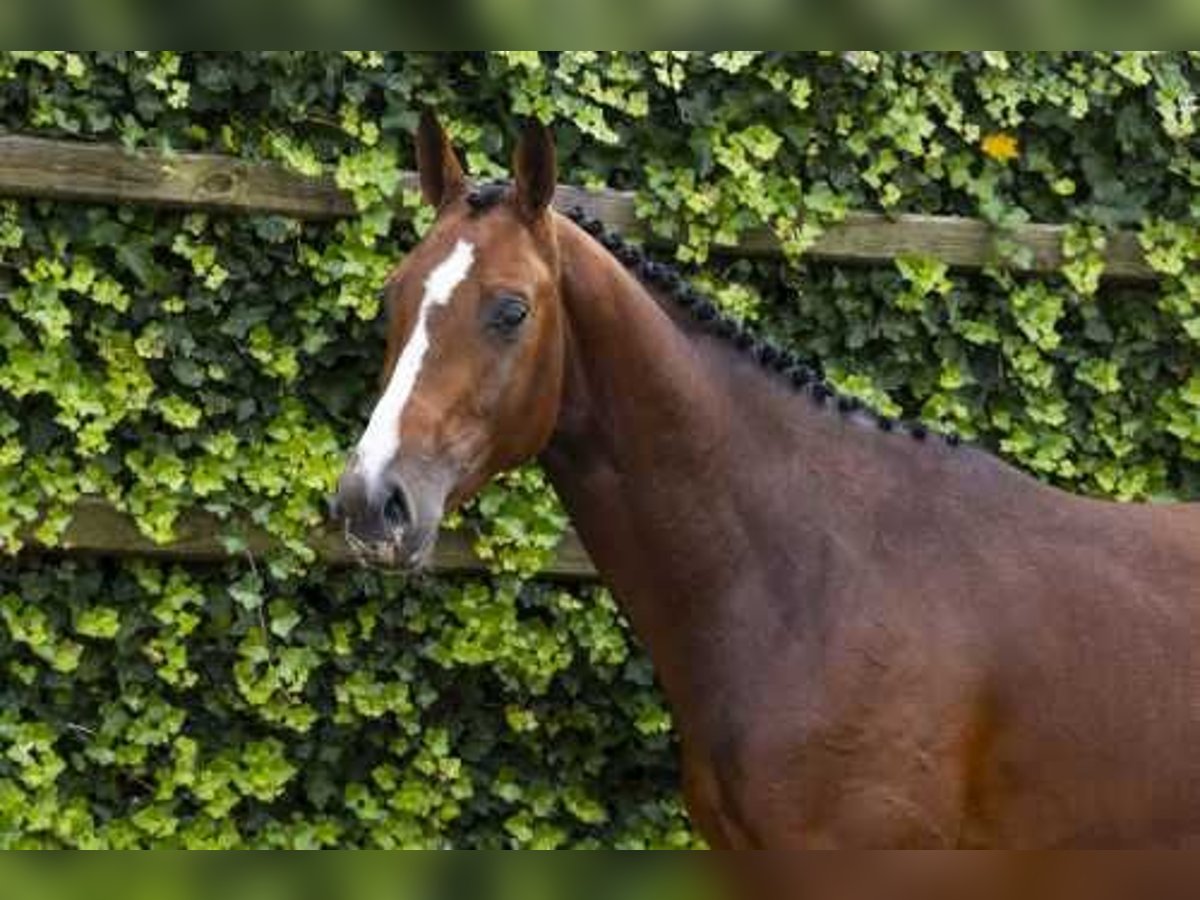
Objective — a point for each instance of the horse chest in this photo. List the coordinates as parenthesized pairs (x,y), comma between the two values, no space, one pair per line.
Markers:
(859,742)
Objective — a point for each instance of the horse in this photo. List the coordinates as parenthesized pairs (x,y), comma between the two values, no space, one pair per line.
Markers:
(870,635)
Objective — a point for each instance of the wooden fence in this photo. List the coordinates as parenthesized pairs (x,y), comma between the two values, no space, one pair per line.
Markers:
(102,173)
(100,530)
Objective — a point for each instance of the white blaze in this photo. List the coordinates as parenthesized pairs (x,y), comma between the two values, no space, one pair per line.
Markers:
(381,441)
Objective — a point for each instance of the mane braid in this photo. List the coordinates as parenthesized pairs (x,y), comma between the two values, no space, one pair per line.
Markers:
(805,376)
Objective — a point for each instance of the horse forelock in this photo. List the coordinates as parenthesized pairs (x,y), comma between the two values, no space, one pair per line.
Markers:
(484,197)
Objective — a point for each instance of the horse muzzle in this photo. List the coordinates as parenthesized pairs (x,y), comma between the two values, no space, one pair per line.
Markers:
(390,520)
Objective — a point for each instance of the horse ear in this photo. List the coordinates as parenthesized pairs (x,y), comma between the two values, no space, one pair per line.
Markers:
(535,169)
(442,177)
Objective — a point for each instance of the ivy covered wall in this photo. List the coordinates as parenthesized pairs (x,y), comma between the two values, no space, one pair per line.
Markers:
(168,361)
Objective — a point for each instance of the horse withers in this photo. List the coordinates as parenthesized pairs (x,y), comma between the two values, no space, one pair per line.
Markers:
(869,637)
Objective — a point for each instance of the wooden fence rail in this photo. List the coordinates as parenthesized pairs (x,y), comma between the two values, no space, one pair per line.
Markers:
(104,173)
(97,528)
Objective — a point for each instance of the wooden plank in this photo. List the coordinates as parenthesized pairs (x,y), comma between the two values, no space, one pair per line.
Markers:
(104,173)
(966,243)
(97,528)
(101,173)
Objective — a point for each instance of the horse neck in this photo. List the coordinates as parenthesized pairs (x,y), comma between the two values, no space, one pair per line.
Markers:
(699,484)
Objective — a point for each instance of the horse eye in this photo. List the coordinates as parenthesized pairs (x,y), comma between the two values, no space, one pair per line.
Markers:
(507,314)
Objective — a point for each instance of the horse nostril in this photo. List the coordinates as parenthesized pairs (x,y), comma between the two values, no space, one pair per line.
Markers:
(395,511)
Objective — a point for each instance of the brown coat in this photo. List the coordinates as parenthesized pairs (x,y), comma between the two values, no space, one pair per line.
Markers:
(867,640)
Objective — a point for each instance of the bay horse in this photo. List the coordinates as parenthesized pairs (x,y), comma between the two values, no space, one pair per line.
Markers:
(869,636)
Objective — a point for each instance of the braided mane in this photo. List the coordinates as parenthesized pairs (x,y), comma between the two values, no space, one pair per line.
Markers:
(805,376)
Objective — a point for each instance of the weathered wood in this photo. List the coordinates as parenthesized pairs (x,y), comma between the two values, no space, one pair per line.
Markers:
(104,173)
(967,243)
(100,529)
(101,173)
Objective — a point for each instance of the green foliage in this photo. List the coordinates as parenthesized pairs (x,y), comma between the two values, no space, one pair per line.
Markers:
(167,361)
